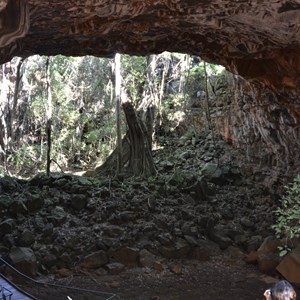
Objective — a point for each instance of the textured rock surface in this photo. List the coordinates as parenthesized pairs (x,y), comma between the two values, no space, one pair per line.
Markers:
(257,39)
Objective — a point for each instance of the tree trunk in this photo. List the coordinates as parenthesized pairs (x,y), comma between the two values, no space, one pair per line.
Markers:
(207,110)
(118,109)
(136,155)
(13,127)
(49,117)
(3,117)
(140,160)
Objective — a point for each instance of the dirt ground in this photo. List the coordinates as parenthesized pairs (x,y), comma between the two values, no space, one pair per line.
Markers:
(220,279)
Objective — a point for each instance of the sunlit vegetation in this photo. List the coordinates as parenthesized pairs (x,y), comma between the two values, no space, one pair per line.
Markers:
(83,105)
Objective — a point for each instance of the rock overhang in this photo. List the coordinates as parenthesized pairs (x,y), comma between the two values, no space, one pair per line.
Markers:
(258,39)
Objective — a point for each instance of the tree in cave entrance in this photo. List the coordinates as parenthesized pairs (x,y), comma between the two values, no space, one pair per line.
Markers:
(134,153)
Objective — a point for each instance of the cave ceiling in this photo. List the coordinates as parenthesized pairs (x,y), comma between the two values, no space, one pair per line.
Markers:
(258,39)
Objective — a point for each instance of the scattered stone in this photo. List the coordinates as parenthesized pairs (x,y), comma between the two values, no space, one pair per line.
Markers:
(63,272)
(147,259)
(158,266)
(114,284)
(115,268)
(177,269)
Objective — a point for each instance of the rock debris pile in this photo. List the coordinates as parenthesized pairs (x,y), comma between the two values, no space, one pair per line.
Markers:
(205,201)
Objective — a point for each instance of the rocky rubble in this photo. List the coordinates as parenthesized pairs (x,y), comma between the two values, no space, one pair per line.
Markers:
(200,205)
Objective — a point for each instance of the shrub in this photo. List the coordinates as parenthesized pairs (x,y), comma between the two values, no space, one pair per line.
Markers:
(287,224)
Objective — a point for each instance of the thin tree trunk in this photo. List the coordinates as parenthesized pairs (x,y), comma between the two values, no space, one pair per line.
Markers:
(13,126)
(207,110)
(118,109)
(3,112)
(49,117)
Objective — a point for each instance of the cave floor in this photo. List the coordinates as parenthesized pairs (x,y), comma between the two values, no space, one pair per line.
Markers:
(219,278)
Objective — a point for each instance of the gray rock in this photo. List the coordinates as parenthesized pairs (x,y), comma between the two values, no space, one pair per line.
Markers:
(253,243)
(115,268)
(39,223)
(24,260)
(58,215)
(5,201)
(112,231)
(179,250)
(199,191)
(205,250)
(219,236)
(165,239)
(147,259)
(8,240)
(49,260)
(79,189)
(8,184)
(18,207)
(191,240)
(60,182)
(7,226)
(48,230)
(35,203)
(247,223)
(27,238)
(186,155)
(78,201)
(95,260)
(213,172)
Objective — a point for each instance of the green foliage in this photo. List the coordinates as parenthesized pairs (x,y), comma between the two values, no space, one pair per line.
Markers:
(287,224)
(134,76)
(83,119)
(25,157)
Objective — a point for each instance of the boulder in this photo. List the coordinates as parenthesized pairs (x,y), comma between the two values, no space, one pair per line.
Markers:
(95,260)
(268,255)
(289,267)
(126,255)
(24,260)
